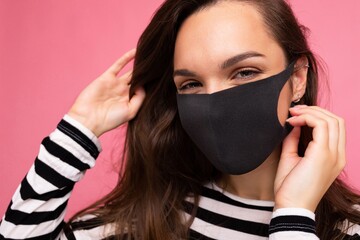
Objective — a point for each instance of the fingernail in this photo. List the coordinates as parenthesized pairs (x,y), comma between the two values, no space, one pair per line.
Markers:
(289,119)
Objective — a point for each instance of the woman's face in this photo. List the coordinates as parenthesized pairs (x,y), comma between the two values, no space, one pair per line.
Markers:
(226,45)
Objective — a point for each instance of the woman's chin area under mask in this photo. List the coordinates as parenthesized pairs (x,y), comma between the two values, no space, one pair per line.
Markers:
(257,184)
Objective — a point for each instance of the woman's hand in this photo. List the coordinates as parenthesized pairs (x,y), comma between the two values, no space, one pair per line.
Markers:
(301,182)
(105,103)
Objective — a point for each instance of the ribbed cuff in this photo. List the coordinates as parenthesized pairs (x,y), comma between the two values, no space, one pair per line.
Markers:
(292,219)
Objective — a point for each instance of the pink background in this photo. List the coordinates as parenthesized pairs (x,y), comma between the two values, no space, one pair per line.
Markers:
(50,50)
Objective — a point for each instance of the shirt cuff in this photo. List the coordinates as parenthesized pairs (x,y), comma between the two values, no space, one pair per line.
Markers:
(293,220)
(293,211)
(84,130)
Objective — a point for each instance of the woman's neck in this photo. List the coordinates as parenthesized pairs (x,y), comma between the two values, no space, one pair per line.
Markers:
(257,184)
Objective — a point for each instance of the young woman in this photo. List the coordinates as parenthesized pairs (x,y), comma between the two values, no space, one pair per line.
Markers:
(224,138)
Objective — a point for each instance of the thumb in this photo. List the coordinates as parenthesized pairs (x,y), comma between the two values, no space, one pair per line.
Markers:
(136,101)
(289,156)
(290,143)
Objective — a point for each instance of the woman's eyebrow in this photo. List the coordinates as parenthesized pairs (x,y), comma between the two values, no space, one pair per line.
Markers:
(184,73)
(240,57)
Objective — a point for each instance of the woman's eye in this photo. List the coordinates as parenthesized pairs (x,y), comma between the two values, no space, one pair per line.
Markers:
(189,85)
(246,73)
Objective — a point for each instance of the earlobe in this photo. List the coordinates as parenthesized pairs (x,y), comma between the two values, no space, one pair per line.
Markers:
(297,98)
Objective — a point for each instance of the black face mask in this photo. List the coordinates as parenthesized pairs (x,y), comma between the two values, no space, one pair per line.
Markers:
(237,128)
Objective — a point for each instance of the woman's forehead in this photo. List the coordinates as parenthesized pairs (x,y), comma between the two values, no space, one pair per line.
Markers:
(220,30)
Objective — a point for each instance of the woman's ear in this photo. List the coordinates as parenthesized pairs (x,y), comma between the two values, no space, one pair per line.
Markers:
(299,78)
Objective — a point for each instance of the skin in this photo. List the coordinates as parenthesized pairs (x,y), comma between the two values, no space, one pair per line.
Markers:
(206,40)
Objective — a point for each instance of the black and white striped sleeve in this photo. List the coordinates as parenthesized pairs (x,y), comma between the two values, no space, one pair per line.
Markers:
(38,206)
(292,223)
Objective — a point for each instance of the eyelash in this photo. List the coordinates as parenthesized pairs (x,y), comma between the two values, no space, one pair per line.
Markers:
(189,85)
(249,70)
(194,84)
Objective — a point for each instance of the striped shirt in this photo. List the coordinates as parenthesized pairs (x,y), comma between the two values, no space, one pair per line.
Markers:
(37,208)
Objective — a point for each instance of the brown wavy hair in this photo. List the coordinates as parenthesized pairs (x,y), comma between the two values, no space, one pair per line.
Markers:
(162,164)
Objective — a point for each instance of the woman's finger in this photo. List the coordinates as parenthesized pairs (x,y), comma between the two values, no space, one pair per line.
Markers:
(126,77)
(121,85)
(331,119)
(289,156)
(336,132)
(136,101)
(316,108)
(319,125)
(342,132)
(290,143)
(121,62)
